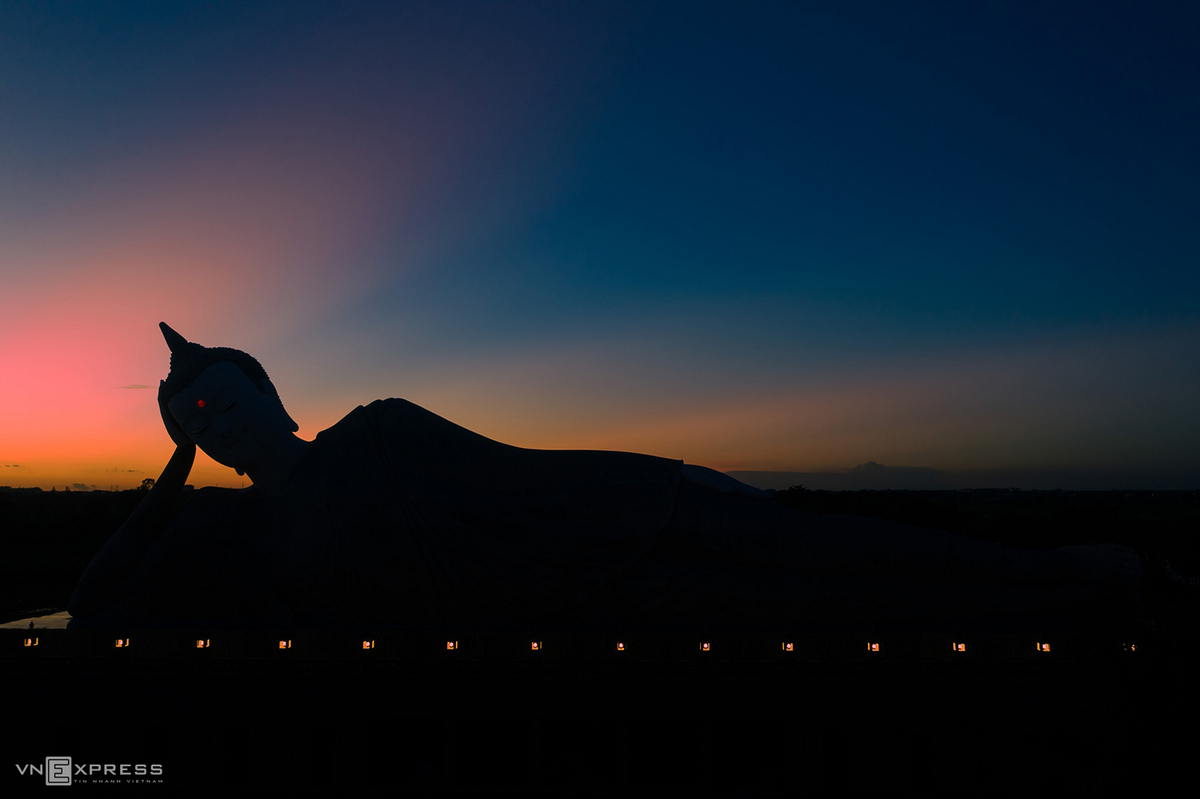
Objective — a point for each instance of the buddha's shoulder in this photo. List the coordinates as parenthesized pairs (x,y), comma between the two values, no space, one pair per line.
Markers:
(393,406)
(389,418)
(380,409)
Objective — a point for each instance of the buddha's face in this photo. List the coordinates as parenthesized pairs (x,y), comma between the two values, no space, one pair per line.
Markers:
(229,416)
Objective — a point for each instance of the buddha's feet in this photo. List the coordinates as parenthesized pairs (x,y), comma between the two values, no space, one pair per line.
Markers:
(1105,565)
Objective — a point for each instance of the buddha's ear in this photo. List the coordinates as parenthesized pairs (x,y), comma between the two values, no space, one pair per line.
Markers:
(267,387)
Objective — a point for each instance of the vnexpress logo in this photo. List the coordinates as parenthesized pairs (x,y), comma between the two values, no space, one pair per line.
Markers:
(58,771)
(64,771)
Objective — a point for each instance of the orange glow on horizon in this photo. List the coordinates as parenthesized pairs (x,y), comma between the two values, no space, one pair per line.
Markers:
(76,413)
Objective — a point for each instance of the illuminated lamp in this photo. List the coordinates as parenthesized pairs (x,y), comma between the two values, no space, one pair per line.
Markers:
(199,403)
(1043,647)
(122,642)
(704,647)
(872,647)
(787,647)
(537,645)
(1130,647)
(959,647)
(368,644)
(452,644)
(285,644)
(31,642)
(620,647)
(202,643)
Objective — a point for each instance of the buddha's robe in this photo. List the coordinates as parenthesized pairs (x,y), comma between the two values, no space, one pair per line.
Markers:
(396,514)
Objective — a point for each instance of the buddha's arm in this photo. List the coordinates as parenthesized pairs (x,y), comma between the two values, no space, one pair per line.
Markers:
(103,582)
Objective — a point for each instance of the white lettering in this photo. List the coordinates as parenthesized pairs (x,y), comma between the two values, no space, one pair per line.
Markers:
(59,770)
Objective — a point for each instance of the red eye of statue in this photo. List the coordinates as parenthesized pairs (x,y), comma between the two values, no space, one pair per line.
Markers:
(200,403)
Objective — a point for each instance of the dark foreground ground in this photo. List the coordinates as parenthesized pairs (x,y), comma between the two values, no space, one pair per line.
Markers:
(1091,716)
(1097,713)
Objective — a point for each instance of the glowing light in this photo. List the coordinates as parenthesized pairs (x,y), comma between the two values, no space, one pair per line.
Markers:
(959,647)
(787,647)
(285,644)
(704,647)
(200,403)
(1130,647)
(452,644)
(537,644)
(368,644)
(620,647)
(872,647)
(122,642)
(201,643)
(1043,647)
(31,642)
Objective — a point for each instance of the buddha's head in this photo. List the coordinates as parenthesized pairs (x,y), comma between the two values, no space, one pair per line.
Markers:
(224,401)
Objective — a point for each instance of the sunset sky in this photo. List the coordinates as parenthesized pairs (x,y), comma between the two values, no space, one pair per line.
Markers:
(758,237)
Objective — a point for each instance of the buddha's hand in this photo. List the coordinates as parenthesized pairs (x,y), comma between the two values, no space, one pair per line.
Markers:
(173,429)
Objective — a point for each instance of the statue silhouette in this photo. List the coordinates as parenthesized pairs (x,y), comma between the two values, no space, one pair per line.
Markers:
(395,514)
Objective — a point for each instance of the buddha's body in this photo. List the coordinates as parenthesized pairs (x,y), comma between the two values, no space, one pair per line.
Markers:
(397,514)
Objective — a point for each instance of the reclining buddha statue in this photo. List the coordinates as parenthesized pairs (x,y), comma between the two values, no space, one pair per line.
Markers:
(395,514)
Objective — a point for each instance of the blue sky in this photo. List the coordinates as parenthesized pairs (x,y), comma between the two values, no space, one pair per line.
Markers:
(772,237)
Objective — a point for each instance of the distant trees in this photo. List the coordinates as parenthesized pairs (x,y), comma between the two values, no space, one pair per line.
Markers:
(147,484)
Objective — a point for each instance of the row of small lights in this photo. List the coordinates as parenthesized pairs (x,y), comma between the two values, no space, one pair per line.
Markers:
(535,646)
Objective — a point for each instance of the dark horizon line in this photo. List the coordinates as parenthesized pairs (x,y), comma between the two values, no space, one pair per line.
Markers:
(805,486)
(872,476)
